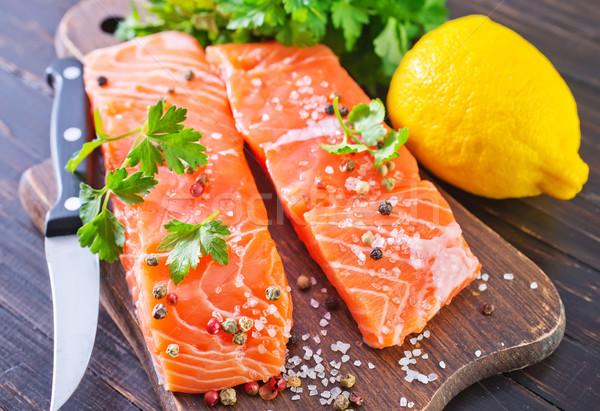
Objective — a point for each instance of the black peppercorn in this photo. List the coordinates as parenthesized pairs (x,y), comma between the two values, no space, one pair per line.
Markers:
(379,145)
(329,109)
(376,253)
(293,337)
(332,303)
(385,208)
(102,81)
(344,111)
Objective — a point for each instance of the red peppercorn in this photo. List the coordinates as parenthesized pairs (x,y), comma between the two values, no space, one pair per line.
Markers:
(251,388)
(172,299)
(487,309)
(211,398)
(277,383)
(213,326)
(197,189)
(266,393)
(357,399)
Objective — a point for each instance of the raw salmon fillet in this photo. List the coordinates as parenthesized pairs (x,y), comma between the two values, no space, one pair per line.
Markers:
(277,95)
(139,73)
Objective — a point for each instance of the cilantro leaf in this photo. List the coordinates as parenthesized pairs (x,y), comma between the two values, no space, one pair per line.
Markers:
(104,235)
(350,18)
(147,155)
(129,187)
(91,201)
(391,144)
(182,146)
(367,120)
(188,242)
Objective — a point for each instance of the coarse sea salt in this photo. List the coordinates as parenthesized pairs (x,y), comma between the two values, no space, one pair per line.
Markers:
(426,333)
(442,364)
(413,341)
(314,303)
(357,363)
(478,353)
(323,322)
(324,332)
(411,404)
(295,397)
(317,339)
(345,358)
(313,280)
(327,315)
(482,287)
(403,402)
(485,277)
(425,356)
(509,276)
(305,337)
(533,285)
(324,290)
(371,365)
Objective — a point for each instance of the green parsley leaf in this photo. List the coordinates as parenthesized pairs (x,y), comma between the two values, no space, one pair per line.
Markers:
(188,242)
(391,144)
(350,18)
(161,122)
(147,155)
(129,187)
(104,235)
(91,201)
(344,148)
(367,120)
(81,154)
(182,146)
(387,46)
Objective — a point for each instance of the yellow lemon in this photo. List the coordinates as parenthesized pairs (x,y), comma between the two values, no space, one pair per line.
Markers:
(487,112)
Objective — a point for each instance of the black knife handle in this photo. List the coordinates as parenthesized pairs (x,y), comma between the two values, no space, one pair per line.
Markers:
(69,128)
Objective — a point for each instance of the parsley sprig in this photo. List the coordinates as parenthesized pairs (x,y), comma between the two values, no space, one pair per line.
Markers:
(188,242)
(364,127)
(105,235)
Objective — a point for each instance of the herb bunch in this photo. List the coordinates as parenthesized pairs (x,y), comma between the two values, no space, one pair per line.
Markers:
(370,37)
(161,139)
(364,131)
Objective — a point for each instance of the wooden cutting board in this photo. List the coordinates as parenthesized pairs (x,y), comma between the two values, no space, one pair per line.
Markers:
(463,346)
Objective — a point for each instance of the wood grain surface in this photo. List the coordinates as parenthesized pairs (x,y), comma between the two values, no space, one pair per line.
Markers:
(561,237)
(509,339)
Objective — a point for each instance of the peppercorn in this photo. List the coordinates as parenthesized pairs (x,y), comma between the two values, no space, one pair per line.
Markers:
(379,145)
(347,380)
(341,403)
(251,388)
(189,75)
(388,183)
(368,238)
(303,282)
(159,291)
(376,253)
(362,187)
(390,165)
(385,208)
(228,396)
(173,350)
(273,293)
(170,90)
(350,166)
(202,179)
(152,260)
(172,299)
(159,312)
(196,190)
(382,170)
(344,111)
(357,399)
(267,393)
(294,381)
(240,338)
(230,326)
(277,383)
(332,303)
(102,81)
(189,169)
(293,337)
(329,109)
(211,398)
(213,326)
(246,323)
(487,308)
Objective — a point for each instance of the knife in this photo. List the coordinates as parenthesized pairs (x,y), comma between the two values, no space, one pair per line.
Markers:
(74,271)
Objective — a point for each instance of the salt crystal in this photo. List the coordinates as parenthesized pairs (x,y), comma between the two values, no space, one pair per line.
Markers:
(321,375)
(485,277)
(426,333)
(317,359)
(442,364)
(305,337)
(326,394)
(324,290)
(533,285)
(371,365)
(409,378)
(336,391)
(312,393)
(295,397)
(256,82)
(319,368)
(509,276)
(403,402)
(293,389)
(327,315)
(413,341)
(323,332)
(357,363)
(423,378)
(343,347)
(323,401)
(334,372)
(311,387)
(313,280)
(265,117)
(416,352)
(411,404)
(403,361)
(317,339)
(432,377)
(419,337)
(407,354)
(482,287)
(314,303)
(325,382)
(332,379)
(329,170)
(412,361)
(345,358)
(323,322)
(425,356)
(478,353)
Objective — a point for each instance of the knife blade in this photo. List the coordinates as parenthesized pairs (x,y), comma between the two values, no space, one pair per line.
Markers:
(74,271)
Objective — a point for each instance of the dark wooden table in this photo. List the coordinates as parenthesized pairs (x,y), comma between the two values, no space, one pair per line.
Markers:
(562,237)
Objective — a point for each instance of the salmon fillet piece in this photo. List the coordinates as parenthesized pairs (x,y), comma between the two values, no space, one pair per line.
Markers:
(139,73)
(277,95)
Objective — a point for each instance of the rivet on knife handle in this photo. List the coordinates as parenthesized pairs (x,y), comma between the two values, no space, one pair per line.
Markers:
(68,130)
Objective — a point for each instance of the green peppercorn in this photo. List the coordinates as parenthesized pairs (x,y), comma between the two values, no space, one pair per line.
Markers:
(368,238)
(294,381)
(228,396)
(159,291)
(347,380)
(390,165)
(362,187)
(159,311)
(240,338)
(341,402)
(152,260)
(173,350)
(388,183)
(382,170)
(189,75)
(246,323)
(230,326)
(348,166)
(273,293)
(303,282)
